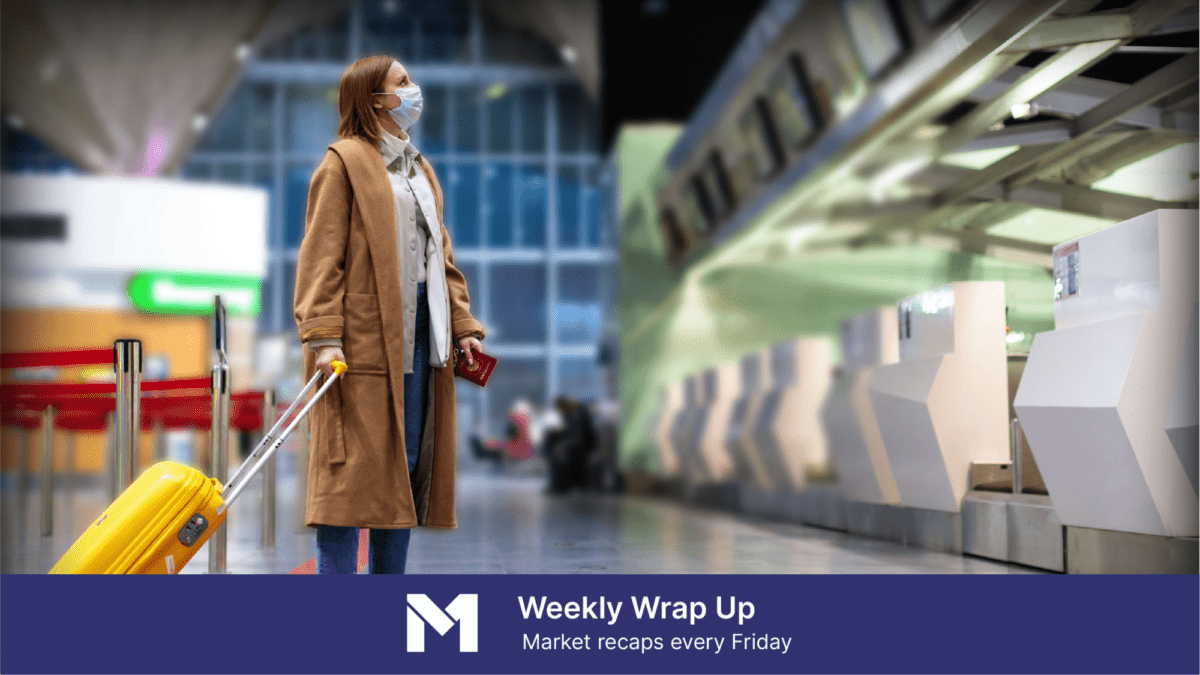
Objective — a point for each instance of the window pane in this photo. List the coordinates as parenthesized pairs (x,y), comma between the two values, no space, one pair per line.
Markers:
(519,378)
(466,118)
(577,120)
(579,316)
(433,119)
(262,97)
(263,176)
(499,205)
(299,176)
(386,30)
(470,270)
(533,205)
(228,130)
(197,171)
(568,207)
(591,207)
(313,43)
(230,172)
(244,124)
(579,378)
(533,119)
(464,200)
(443,28)
(501,102)
(519,302)
(268,315)
(312,117)
(287,311)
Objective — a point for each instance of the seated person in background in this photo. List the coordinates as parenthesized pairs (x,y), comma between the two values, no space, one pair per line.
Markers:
(569,449)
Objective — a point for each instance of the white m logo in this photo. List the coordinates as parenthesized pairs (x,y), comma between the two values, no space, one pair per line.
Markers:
(464,610)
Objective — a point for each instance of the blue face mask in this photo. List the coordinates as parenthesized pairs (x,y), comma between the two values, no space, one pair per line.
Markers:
(409,110)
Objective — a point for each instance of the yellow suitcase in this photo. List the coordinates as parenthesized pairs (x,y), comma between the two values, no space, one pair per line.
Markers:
(161,520)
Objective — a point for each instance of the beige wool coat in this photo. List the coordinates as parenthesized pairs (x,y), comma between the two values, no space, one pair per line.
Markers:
(348,286)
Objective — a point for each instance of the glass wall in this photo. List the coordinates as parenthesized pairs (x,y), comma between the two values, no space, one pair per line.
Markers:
(514,140)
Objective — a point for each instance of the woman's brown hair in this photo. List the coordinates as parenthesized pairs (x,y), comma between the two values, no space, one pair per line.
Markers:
(356,97)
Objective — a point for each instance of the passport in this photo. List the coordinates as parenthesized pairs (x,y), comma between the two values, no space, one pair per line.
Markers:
(477,372)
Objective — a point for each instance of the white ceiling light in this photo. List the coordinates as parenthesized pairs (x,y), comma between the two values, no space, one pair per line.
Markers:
(569,55)
(1023,111)
(199,121)
(242,52)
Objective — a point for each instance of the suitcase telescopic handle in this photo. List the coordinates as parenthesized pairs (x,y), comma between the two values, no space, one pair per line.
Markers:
(273,439)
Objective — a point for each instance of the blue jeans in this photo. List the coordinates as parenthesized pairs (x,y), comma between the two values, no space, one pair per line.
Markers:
(337,547)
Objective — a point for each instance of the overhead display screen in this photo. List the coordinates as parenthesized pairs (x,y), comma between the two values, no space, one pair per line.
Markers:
(791,102)
(760,140)
(694,208)
(673,235)
(716,188)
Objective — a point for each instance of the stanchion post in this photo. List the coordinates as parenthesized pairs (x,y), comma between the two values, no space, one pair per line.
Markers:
(127,362)
(219,459)
(110,465)
(269,473)
(121,464)
(301,464)
(48,471)
(135,409)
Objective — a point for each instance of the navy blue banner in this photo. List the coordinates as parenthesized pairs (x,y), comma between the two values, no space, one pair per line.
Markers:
(598,624)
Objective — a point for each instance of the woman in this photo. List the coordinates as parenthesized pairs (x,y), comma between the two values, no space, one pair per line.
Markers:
(377,288)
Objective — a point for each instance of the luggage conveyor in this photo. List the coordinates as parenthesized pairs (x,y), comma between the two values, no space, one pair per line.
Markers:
(1108,399)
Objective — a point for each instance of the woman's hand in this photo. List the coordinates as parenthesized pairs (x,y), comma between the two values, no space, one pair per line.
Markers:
(469,344)
(327,356)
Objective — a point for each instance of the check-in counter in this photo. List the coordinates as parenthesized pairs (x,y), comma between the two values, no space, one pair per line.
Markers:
(787,437)
(668,457)
(681,426)
(1108,399)
(702,462)
(722,387)
(943,406)
(747,465)
(868,340)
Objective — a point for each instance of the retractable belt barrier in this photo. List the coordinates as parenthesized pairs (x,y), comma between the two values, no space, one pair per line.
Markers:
(97,406)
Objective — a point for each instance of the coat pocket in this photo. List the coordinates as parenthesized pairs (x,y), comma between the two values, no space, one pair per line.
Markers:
(362,339)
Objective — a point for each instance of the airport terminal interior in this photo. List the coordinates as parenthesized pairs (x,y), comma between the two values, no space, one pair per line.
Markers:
(912,288)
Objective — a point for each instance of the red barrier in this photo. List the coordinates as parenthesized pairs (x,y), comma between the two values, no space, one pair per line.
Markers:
(68,357)
(41,389)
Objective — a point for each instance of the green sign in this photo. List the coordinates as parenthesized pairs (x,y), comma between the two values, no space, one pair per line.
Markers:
(192,293)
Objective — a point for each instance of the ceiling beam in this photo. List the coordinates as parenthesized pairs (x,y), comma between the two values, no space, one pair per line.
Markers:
(1037,81)
(1025,164)
(1076,96)
(1124,24)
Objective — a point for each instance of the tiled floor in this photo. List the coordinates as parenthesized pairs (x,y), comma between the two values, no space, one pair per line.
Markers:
(507,525)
